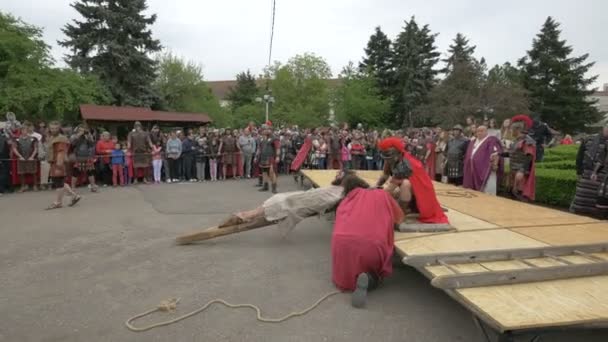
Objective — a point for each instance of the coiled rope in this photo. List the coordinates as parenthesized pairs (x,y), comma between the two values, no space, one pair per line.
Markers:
(169,305)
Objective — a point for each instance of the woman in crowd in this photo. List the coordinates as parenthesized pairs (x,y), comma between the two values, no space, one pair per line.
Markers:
(440,160)
(214,154)
(174,151)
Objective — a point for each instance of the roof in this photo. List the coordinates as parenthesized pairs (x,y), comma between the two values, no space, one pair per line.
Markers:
(221,88)
(113,113)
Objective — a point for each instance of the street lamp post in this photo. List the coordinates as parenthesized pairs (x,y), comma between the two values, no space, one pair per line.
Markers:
(267,99)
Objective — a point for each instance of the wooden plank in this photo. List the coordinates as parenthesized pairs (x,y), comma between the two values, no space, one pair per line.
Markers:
(466,242)
(518,276)
(496,255)
(214,232)
(567,235)
(541,304)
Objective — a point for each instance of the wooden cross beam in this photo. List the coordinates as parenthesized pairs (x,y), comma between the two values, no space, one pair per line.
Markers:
(214,232)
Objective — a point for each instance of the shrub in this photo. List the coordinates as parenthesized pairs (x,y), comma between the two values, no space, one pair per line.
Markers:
(557,165)
(562,152)
(555,186)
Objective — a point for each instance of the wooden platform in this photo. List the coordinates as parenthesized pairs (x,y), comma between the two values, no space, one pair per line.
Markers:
(486,222)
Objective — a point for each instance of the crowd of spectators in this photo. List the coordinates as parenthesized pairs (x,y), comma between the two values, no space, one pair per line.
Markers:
(212,154)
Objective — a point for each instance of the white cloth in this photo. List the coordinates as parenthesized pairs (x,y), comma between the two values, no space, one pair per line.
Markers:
(491,184)
(292,207)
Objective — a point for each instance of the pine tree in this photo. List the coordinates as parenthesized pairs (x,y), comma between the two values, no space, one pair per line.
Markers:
(377,61)
(558,88)
(114,42)
(459,53)
(414,59)
(245,91)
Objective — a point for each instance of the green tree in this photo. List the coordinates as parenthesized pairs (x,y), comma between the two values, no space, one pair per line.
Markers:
(377,61)
(30,86)
(301,91)
(503,94)
(181,87)
(556,81)
(245,91)
(357,99)
(114,42)
(459,53)
(414,60)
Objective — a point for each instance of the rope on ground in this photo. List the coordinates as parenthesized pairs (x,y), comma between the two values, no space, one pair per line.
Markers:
(169,305)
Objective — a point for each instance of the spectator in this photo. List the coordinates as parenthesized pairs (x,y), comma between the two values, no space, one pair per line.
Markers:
(104,148)
(493,129)
(188,157)
(174,151)
(335,151)
(229,150)
(25,149)
(5,165)
(201,158)
(541,133)
(118,164)
(567,140)
(157,162)
(247,146)
(440,160)
(214,154)
(321,151)
(357,151)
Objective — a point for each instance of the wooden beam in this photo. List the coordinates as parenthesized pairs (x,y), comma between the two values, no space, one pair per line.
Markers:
(214,232)
(525,275)
(499,255)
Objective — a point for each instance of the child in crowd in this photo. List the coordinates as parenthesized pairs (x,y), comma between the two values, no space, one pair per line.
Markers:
(157,162)
(118,163)
(128,169)
(201,157)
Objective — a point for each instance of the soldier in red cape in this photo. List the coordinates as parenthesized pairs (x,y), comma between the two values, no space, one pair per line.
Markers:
(522,155)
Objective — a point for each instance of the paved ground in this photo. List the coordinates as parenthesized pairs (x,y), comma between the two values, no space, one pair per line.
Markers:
(76,274)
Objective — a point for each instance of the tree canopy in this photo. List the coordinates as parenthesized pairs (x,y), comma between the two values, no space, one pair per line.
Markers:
(245,92)
(414,58)
(377,61)
(556,81)
(113,42)
(30,86)
(180,87)
(301,91)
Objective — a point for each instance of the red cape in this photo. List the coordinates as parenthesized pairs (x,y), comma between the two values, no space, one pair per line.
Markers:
(426,199)
(302,154)
(529,189)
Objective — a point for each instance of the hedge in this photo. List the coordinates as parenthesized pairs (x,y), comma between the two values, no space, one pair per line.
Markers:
(558,165)
(555,186)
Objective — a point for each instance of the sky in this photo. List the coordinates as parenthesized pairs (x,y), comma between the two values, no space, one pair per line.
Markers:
(230,36)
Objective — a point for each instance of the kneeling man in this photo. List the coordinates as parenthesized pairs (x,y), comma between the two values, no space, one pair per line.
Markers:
(410,185)
(362,240)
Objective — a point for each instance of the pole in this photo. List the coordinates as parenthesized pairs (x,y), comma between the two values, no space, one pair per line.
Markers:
(266,110)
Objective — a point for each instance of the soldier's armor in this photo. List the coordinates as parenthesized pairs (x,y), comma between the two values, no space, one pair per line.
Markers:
(589,193)
(400,169)
(519,160)
(267,150)
(25,145)
(456,150)
(83,149)
(595,152)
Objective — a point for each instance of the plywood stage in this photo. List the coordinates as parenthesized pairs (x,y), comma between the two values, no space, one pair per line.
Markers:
(485,222)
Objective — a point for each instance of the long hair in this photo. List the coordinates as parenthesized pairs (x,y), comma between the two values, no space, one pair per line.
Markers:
(352,182)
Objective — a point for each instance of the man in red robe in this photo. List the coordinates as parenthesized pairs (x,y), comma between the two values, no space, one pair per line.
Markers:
(481,168)
(410,184)
(362,240)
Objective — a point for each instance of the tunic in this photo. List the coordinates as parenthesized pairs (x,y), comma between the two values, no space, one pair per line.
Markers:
(140,148)
(57,150)
(229,150)
(362,240)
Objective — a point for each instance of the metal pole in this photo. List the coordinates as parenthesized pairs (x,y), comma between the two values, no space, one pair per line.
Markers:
(266,110)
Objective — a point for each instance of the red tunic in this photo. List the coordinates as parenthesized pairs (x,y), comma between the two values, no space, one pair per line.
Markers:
(362,240)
